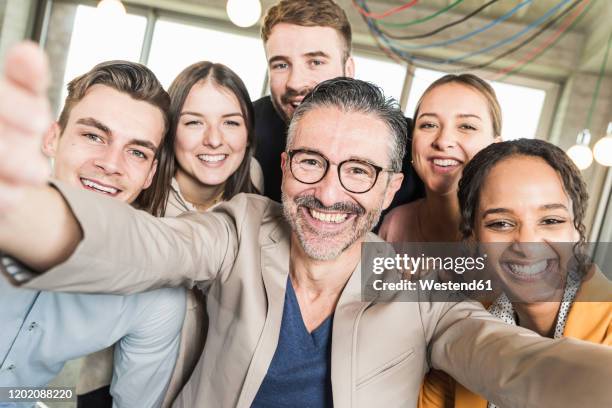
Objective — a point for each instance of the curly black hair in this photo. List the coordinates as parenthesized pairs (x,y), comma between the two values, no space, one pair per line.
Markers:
(477,170)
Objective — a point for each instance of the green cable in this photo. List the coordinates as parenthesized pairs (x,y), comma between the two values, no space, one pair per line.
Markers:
(602,70)
(421,20)
(519,69)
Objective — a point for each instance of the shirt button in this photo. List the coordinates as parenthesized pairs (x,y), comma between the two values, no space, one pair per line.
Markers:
(11,367)
(33,325)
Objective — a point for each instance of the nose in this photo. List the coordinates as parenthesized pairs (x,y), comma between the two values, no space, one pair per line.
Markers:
(110,161)
(328,190)
(213,137)
(299,79)
(445,139)
(527,241)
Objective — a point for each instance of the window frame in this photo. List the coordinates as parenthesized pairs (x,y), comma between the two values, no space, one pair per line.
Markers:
(153,14)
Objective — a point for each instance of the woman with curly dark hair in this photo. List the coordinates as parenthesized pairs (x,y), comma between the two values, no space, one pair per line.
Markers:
(524,201)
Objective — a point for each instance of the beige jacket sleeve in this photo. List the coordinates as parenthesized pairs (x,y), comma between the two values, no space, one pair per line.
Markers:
(515,367)
(126,251)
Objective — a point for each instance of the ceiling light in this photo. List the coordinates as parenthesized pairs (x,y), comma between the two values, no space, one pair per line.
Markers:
(112,8)
(603,148)
(243,13)
(580,153)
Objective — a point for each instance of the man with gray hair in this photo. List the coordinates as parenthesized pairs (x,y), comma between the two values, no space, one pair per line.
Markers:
(288,326)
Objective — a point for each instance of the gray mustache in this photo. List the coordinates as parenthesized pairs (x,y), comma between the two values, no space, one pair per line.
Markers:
(313,203)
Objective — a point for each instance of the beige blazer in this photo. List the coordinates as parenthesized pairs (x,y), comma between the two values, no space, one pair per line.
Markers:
(97,368)
(590,319)
(239,253)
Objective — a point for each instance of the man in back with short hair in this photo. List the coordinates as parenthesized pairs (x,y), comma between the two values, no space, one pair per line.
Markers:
(306,42)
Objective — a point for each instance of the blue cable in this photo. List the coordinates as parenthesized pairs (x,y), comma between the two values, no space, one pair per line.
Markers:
(473,33)
(413,58)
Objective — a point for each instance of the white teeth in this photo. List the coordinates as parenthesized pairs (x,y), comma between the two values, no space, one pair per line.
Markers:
(96,186)
(532,269)
(212,158)
(445,162)
(295,104)
(333,218)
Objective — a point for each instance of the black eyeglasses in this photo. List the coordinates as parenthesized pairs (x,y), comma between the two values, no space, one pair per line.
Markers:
(356,176)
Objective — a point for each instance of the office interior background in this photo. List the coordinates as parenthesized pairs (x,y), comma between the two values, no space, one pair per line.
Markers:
(549,60)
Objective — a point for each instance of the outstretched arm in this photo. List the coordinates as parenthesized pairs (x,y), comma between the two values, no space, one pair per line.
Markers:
(36,225)
(84,242)
(515,367)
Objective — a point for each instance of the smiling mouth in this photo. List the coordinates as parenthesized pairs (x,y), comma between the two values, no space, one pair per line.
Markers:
(212,158)
(446,162)
(99,188)
(332,218)
(529,272)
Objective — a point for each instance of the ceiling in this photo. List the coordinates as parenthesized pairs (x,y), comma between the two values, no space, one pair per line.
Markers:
(582,49)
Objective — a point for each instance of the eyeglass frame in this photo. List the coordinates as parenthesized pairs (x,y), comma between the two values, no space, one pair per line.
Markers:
(376,167)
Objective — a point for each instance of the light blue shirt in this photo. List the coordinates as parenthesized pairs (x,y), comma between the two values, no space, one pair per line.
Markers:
(40,331)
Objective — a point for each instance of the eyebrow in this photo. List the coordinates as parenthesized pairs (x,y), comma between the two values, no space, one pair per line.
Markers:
(469,115)
(461,115)
(311,54)
(103,128)
(555,206)
(277,58)
(495,211)
(201,116)
(316,54)
(143,143)
(95,123)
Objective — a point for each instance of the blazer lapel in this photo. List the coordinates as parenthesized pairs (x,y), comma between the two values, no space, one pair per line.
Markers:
(344,337)
(346,317)
(275,252)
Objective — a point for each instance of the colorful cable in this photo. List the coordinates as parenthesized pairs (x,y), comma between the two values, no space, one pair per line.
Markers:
(437,30)
(571,21)
(390,12)
(498,44)
(422,19)
(460,58)
(528,40)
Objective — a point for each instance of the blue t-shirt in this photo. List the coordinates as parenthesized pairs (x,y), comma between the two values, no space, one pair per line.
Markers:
(300,372)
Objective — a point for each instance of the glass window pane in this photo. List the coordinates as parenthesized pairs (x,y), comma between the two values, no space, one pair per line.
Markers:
(521,109)
(386,74)
(521,106)
(421,80)
(177,45)
(96,38)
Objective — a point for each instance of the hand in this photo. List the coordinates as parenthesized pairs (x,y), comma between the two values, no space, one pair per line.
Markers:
(24,118)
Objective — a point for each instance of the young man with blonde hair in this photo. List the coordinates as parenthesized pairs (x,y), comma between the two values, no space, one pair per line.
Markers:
(306,42)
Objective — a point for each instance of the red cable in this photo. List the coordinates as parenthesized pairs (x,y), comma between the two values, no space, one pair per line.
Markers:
(535,52)
(378,16)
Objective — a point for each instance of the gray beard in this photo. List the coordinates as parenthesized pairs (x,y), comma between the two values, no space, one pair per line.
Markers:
(371,219)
